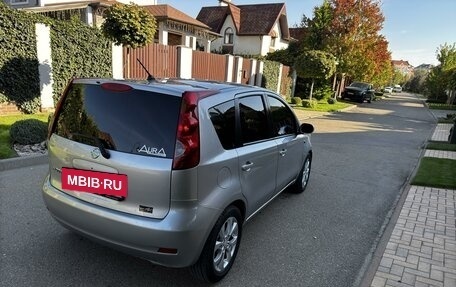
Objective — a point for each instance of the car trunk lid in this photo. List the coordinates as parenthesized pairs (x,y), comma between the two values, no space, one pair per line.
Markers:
(113,145)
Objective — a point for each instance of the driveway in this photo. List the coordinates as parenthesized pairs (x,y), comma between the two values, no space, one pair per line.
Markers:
(323,237)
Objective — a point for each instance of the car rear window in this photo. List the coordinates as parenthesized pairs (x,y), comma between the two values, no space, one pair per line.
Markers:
(131,121)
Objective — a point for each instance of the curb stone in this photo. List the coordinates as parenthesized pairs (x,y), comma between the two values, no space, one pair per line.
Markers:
(18,162)
(410,240)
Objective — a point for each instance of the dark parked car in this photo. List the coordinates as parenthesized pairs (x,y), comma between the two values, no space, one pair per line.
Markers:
(360,92)
(170,172)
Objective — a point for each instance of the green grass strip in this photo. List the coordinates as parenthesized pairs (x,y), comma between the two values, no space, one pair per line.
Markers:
(441,146)
(436,172)
(6,150)
(323,106)
(441,106)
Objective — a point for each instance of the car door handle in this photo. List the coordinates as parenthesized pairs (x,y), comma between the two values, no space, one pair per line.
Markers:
(247,166)
(283,152)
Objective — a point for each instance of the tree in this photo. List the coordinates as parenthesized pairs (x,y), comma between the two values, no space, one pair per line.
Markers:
(315,64)
(442,78)
(398,78)
(435,85)
(354,38)
(286,56)
(318,28)
(417,81)
(129,25)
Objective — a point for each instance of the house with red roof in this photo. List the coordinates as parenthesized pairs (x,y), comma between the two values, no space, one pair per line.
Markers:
(174,26)
(403,67)
(255,29)
(177,28)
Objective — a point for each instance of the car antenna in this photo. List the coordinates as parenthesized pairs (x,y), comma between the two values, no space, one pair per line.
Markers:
(150,78)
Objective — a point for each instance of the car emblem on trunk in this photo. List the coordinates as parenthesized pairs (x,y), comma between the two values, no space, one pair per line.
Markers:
(95,153)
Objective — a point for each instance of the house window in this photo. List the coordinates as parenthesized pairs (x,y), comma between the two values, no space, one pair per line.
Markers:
(19,2)
(229,34)
(273,42)
(273,39)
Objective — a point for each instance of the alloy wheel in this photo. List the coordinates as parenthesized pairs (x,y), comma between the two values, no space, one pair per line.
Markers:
(225,244)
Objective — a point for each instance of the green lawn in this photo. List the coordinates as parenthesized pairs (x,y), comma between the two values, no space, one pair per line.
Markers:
(323,106)
(6,150)
(441,106)
(445,121)
(436,172)
(441,146)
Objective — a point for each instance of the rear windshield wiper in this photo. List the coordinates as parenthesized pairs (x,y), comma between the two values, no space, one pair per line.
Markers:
(98,142)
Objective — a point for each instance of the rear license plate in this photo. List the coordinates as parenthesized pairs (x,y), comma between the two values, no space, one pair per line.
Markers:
(95,182)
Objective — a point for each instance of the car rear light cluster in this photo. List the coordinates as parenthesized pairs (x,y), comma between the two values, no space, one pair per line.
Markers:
(187,150)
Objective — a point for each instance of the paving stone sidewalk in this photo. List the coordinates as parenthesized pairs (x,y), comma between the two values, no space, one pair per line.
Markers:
(421,251)
(441,132)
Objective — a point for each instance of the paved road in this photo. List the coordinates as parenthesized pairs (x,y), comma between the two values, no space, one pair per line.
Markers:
(323,237)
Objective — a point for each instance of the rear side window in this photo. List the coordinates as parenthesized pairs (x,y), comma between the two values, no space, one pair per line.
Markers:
(132,121)
(254,124)
(223,118)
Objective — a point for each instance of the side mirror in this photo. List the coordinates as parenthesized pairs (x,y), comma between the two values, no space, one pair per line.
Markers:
(306,128)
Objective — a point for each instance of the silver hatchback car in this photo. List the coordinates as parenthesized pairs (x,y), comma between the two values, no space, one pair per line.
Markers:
(171,171)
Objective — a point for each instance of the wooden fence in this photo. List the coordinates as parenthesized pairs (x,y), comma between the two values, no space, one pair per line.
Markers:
(160,60)
(206,66)
(182,62)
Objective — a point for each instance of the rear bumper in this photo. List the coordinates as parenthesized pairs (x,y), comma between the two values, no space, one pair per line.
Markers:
(185,228)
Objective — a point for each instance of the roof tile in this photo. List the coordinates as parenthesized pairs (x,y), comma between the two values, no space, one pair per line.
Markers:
(165,11)
(258,19)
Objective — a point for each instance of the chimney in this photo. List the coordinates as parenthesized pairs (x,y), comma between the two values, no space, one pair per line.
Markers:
(224,2)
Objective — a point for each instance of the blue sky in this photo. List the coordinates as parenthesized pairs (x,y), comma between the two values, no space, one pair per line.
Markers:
(413,28)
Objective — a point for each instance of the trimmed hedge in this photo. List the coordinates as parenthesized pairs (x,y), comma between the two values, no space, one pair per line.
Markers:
(312,104)
(30,131)
(296,101)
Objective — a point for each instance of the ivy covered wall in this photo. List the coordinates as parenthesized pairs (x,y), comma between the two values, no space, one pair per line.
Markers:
(77,50)
(270,75)
(19,78)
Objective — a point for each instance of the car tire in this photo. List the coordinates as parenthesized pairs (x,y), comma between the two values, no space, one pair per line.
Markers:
(301,182)
(221,247)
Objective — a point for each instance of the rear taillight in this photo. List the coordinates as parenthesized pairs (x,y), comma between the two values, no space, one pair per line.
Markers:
(187,150)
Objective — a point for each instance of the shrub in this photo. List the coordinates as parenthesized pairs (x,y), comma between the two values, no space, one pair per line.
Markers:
(332,101)
(296,100)
(322,93)
(309,104)
(29,131)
